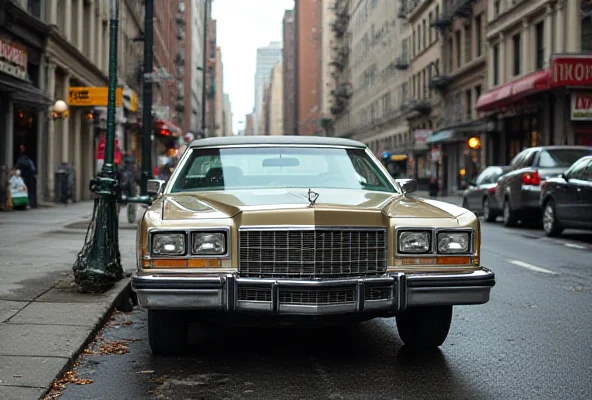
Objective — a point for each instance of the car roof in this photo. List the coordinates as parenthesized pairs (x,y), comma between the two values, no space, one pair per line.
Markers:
(561,147)
(275,140)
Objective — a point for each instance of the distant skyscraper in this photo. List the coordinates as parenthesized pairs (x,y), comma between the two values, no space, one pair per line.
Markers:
(267,57)
(289,74)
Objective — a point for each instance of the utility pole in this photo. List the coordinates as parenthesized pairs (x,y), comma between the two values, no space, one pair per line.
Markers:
(204,69)
(98,265)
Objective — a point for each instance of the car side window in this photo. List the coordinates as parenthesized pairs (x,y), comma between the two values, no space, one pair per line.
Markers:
(588,172)
(530,159)
(483,177)
(577,171)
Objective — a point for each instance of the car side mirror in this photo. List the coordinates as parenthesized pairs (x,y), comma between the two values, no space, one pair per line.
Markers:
(407,185)
(564,176)
(155,186)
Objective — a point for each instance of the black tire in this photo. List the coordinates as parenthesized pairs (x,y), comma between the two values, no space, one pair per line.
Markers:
(551,224)
(488,215)
(510,217)
(424,327)
(167,332)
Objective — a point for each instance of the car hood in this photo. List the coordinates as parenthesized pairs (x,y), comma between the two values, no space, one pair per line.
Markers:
(229,203)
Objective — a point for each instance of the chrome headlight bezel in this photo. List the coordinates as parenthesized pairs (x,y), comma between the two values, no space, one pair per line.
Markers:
(469,245)
(154,231)
(429,241)
(155,235)
(434,235)
(219,234)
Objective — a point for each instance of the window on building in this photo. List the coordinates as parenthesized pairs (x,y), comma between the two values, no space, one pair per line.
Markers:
(479,35)
(516,49)
(423,83)
(458,48)
(586,27)
(468,43)
(496,65)
(450,54)
(477,92)
(430,21)
(496,7)
(425,36)
(469,104)
(413,45)
(540,45)
(418,38)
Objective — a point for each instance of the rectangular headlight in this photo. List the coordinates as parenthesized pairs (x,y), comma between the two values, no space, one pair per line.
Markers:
(415,242)
(208,243)
(454,242)
(168,244)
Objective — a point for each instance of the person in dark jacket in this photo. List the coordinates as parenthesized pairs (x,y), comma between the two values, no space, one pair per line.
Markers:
(29,175)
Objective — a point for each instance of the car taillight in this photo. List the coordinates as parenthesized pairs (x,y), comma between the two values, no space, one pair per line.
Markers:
(531,178)
(491,190)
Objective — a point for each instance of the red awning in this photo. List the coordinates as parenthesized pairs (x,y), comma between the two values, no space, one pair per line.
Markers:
(514,90)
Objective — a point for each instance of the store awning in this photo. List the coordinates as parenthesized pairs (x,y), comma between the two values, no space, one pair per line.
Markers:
(457,133)
(23,92)
(515,90)
(442,136)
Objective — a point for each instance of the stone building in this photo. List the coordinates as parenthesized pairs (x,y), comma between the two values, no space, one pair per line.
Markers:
(276,101)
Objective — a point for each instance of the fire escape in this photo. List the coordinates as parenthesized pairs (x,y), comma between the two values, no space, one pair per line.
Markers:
(343,89)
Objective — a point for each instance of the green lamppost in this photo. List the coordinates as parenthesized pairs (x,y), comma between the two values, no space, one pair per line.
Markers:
(98,265)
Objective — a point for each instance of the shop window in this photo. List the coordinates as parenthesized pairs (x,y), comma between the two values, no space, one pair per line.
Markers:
(540,45)
(496,62)
(479,35)
(517,53)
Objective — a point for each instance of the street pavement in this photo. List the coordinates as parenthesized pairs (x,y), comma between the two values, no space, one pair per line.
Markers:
(531,341)
(44,322)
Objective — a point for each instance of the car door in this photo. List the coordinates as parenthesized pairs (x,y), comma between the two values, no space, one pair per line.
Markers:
(474,192)
(585,195)
(566,194)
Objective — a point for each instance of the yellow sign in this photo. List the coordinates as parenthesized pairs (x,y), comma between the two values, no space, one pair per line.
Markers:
(134,105)
(92,96)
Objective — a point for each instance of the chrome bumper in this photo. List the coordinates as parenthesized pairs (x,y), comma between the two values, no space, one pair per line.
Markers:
(388,294)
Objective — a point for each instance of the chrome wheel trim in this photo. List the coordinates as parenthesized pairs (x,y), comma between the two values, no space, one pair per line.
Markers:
(548,218)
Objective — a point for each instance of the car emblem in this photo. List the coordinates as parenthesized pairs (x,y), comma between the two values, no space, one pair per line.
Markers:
(312,197)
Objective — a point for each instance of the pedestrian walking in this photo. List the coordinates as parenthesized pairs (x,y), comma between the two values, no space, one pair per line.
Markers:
(27,169)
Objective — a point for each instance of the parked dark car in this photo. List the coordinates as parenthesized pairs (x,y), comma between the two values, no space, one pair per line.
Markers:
(519,190)
(479,197)
(566,200)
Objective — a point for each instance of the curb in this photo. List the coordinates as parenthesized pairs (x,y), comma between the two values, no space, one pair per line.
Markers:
(119,300)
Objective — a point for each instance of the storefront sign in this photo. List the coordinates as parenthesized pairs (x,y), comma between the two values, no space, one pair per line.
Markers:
(13,58)
(571,70)
(581,106)
(436,154)
(92,96)
(100,154)
(421,138)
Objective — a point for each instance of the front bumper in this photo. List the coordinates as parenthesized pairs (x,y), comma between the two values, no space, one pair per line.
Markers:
(389,294)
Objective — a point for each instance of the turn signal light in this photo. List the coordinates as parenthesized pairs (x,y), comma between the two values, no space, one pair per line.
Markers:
(531,178)
(183,263)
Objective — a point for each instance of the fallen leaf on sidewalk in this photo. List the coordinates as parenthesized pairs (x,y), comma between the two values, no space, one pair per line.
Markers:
(150,371)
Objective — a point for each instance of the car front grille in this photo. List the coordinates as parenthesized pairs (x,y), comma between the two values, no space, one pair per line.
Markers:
(312,253)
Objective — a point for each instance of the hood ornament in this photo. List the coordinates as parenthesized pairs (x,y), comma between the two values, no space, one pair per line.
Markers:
(312,197)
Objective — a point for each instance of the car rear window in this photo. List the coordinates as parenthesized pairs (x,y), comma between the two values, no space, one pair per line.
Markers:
(561,157)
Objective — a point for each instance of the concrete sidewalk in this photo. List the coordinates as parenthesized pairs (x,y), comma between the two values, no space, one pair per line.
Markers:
(44,322)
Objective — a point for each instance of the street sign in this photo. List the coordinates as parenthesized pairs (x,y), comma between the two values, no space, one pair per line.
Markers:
(84,96)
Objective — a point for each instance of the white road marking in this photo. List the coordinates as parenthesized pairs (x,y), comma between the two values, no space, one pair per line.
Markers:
(532,267)
(575,246)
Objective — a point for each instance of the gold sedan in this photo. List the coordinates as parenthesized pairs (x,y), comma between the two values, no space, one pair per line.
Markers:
(295,228)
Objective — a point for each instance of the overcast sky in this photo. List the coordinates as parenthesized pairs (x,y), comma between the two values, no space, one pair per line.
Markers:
(243,26)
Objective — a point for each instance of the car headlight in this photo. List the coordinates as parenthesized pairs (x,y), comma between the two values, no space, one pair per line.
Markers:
(168,244)
(209,243)
(414,242)
(454,242)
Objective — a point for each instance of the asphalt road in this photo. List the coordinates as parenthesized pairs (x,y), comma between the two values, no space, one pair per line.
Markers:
(533,340)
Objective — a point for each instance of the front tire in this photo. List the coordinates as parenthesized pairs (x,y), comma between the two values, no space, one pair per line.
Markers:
(510,217)
(551,224)
(167,332)
(424,327)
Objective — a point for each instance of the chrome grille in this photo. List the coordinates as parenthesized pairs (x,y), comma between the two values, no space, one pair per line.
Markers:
(317,297)
(312,253)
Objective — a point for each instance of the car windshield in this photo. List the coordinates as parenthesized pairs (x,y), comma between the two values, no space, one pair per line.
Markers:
(561,157)
(280,167)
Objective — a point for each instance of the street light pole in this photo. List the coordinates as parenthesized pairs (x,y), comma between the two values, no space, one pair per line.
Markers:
(147,96)
(204,69)
(98,265)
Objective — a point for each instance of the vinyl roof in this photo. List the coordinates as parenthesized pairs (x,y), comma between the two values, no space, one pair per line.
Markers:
(275,140)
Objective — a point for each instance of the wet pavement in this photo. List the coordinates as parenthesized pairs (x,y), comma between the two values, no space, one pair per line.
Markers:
(531,341)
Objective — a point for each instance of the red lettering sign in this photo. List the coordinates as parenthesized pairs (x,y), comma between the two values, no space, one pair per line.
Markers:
(583,101)
(100,154)
(572,70)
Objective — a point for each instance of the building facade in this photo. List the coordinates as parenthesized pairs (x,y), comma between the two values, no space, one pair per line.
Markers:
(539,75)
(327,47)
(308,21)
(267,57)
(227,118)
(249,125)
(211,86)
(276,101)
(194,65)
(219,96)
(289,73)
